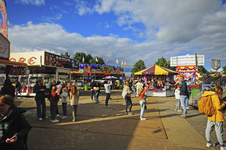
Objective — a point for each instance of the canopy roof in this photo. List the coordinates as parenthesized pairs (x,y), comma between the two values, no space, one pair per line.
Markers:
(156,70)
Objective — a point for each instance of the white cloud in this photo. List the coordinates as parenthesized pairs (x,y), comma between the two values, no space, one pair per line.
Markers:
(33,2)
(52,19)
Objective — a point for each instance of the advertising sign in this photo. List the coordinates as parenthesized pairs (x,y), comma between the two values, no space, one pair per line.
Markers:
(4,47)
(187,60)
(60,61)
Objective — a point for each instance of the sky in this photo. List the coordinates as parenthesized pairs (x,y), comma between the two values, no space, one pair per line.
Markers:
(127,30)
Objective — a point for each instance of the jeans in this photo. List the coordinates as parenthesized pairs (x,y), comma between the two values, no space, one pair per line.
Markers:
(53,111)
(96,97)
(41,103)
(92,94)
(178,104)
(57,111)
(17,91)
(128,100)
(107,98)
(142,108)
(218,129)
(64,106)
(74,111)
(184,103)
(134,92)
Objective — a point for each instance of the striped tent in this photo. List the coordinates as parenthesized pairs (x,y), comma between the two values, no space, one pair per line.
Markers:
(156,70)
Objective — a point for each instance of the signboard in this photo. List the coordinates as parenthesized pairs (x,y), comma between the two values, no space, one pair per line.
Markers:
(60,61)
(187,60)
(4,47)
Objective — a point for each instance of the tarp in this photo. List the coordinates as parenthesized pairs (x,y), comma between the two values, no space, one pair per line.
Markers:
(156,70)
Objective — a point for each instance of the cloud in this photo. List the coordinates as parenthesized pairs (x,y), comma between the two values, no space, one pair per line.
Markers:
(52,19)
(33,2)
(83,7)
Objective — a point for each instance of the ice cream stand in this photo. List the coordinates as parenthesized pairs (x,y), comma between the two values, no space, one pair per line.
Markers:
(160,80)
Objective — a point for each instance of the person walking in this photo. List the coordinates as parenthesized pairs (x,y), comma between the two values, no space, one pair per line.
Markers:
(8,88)
(134,88)
(14,127)
(54,100)
(126,89)
(141,94)
(64,97)
(39,89)
(18,88)
(92,85)
(184,95)
(74,99)
(177,96)
(215,121)
(107,86)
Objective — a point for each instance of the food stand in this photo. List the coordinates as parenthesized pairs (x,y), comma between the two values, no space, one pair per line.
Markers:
(159,79)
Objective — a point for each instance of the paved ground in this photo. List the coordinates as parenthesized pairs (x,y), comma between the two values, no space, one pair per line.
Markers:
(100,128)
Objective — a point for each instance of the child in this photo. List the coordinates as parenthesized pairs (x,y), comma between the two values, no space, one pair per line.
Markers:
(141,94)
(64,96)
(54,100)
(74,98)
(96,93)
(177,96)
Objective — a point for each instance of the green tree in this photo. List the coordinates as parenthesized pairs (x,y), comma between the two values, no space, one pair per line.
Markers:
(100,60)
(164,63)
(79,56)
(89,59)
(139,65)
(202,70)
(224,69)
(65,54)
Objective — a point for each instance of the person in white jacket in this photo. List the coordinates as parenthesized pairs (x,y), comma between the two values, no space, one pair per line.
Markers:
(138,85)
(177,96)
(64,96)
(74,99)
(107,85)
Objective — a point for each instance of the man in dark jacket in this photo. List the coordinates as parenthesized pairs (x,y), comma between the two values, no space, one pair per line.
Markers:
(184,95)
(8,88)
(18,88)
(39,89)
(92,84)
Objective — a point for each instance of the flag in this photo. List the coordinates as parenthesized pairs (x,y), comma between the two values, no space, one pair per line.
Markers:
(122,63)
(83,59)
(96,59)
(125,64)
(107,60)
(117,61)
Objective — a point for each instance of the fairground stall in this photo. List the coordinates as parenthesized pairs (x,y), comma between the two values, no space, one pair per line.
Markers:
(41,64)
(87,72)
(160,80)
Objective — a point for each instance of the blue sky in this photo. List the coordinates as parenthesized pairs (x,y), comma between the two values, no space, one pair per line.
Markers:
(127,30)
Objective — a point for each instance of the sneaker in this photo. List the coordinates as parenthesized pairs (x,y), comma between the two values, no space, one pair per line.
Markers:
(58,115)
(64,117)
(126,113)
(184,116)
(73,120)
(91,99)
(143,119)
(40,119)
(223,147)
(179,110)
(54,121)
(46,117)
(130,113)
(107,106)
(187,107)
(210,144)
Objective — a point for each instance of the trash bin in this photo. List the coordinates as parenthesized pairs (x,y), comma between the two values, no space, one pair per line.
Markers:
(86,87)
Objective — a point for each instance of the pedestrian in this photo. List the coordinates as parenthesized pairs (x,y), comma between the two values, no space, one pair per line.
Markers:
(18,88)
(96,94)
(141,94)
(134,88)
(74,99)
(107,85)
(177,96)
(215,121)
(14,127)
(54,100)
(53,83)
(39,89)
(64,96)
(8,88)
(184,95)
(130,83)
(126,89)
(92,84)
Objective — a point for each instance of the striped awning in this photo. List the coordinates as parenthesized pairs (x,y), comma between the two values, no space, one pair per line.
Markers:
(156,70)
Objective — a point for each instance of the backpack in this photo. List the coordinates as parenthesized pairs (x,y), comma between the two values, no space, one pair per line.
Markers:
(205,106)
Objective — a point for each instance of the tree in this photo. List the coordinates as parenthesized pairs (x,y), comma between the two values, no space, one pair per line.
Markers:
(164,63)
(65,55)
(100,60)
(139,65)
(79,56)
(224,69)
(202,70)
(89,59)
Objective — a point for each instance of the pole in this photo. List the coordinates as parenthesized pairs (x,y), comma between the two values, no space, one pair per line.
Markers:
(196,61)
